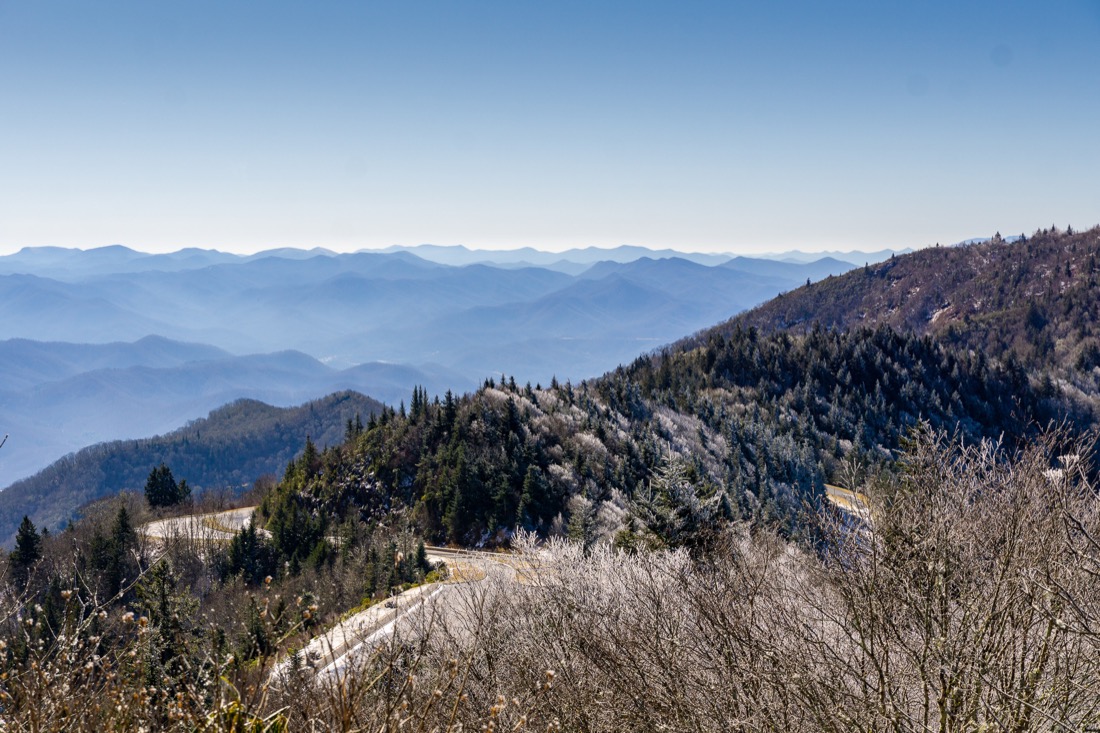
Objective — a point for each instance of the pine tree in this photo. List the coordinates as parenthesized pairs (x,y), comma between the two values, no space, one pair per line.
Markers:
(113,556)
(533,499)
(28,550)
(170,614)
(422,563)
(450,411)
(161,489)
(311,459)
(249,555)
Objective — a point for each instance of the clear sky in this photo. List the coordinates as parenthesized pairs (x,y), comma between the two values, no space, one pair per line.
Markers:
(705,126)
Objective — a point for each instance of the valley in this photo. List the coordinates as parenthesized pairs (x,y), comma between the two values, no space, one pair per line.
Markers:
(438,367)
(83,366)
(755,496)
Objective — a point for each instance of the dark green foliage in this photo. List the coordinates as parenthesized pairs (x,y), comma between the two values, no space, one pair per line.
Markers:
(422,564)
(353,429)
(249,555)
(295,531)
(759,422)
(171,634)
(671,513)
(230,449)
(258,639)
(28,551)
(310,462)
(111,557)
(161,489)
(535,500)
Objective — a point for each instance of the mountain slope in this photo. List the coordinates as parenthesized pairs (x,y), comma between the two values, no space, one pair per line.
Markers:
(58,398)
(25,363)
(988,340)
(759,422)
(1036,299)
(231,448)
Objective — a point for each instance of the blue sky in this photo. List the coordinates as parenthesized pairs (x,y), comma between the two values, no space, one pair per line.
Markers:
(694,125)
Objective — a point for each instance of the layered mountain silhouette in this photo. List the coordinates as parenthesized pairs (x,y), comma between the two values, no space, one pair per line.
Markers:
(226,450)
(762,409)
(289,325)
(59,397)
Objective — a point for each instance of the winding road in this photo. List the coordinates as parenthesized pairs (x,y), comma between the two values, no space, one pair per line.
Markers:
(214,527)
(332,653)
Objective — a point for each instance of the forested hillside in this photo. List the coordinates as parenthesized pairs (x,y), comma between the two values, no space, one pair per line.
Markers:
(1036,299)
(57,398)
(290,325)
(752,425)
(717,448)
(229,449)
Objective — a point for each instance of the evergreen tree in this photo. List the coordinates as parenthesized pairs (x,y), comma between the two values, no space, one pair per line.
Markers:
(450,411)
(673,512)
(422,563)
(161,489)
(169,637)
(311,459)
(582,519)
(112,557)
(28,550)
(534,498)
(250,555)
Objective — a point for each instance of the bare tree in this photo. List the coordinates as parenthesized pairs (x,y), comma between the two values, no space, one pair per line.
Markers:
(950,612)
(969,601)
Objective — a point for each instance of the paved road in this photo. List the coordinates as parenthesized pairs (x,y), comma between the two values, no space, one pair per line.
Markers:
(215,527)
(406,610)
(852,502)
(351,642)
(332,653)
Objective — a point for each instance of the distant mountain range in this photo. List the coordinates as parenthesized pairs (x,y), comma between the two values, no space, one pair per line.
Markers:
(58,397)
(229,449)
(388,307)
(61,262)
(828,382)
(992,306)
(856,257)
(573,261)
(80,366)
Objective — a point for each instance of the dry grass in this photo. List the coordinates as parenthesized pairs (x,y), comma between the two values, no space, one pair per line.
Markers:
(972,604)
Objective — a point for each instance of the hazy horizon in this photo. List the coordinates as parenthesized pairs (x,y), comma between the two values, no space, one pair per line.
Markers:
(247,252)
(703,126)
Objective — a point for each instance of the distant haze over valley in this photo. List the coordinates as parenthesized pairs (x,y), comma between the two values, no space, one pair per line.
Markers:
(114,343)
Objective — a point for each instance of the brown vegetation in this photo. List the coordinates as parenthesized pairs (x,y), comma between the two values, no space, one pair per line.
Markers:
(1034,298)
(970,603)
